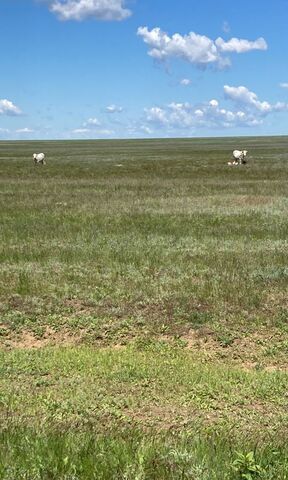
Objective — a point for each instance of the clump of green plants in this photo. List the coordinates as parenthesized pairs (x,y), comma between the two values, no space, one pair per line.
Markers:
(246,466)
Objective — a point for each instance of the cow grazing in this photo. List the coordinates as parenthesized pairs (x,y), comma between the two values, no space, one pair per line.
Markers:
(39,158)
(239,157)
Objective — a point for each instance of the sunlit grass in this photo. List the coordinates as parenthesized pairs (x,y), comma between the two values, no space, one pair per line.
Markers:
(148,411)
(169,273)
(173,227)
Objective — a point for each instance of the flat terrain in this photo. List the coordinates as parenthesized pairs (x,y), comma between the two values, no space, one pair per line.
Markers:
(144,310)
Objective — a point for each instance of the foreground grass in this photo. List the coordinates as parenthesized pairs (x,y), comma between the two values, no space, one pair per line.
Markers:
(150,383)
(85,413)
(132,455)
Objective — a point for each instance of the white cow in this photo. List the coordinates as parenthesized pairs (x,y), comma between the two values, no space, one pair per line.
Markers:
(39,158)
(239,157)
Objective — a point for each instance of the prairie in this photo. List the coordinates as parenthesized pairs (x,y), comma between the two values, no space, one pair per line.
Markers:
(143,301)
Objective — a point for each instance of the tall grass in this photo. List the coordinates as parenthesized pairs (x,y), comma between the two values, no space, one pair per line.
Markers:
(133,456)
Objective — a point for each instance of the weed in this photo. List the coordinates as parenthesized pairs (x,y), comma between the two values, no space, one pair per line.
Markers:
(247,467)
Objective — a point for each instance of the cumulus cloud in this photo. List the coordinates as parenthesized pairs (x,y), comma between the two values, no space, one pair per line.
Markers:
(108,10)
(91,127)
(213,103)
(284,85)
(186,116)
(247,111)
(93,122)
(196,49)
(156,115)
(249,99)
(8,108)
(114,109)
(238,45)
(185,82)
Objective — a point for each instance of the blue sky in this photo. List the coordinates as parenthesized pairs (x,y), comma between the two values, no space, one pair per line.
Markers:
(142,68)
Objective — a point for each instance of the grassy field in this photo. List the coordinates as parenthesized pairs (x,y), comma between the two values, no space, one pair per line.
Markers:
(144,311)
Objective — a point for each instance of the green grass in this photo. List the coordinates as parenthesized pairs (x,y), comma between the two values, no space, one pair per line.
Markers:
(156,295)
(132,456)
(147,411)
(74,386)
(171,229)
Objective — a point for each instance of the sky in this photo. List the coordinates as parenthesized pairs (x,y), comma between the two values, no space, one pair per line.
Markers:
(143,68)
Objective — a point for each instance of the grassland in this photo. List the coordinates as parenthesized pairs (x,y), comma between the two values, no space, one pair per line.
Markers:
(143,301)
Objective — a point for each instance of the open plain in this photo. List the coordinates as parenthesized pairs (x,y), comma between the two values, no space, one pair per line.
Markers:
(144,310)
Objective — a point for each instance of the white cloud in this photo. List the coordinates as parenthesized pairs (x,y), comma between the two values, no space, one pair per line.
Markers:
(185,82)
(81,130)
(93,132)
(243,96)
(91,127)
(247,111)
(146,129)
(93,122)
(24,130)
(196,49)
(283,85)
(213,103)
(199,113)
(8,108)
(83,9)
(114,109)
(238,45)
(156,115)
(187,116)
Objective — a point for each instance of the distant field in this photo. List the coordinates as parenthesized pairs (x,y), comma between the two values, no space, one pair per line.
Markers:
(144,310)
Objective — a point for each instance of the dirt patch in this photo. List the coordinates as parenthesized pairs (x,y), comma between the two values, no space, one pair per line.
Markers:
(76,305)
(164,417)
(263,351)
(50,337)
(203,338)
(248,352)
(4,326)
